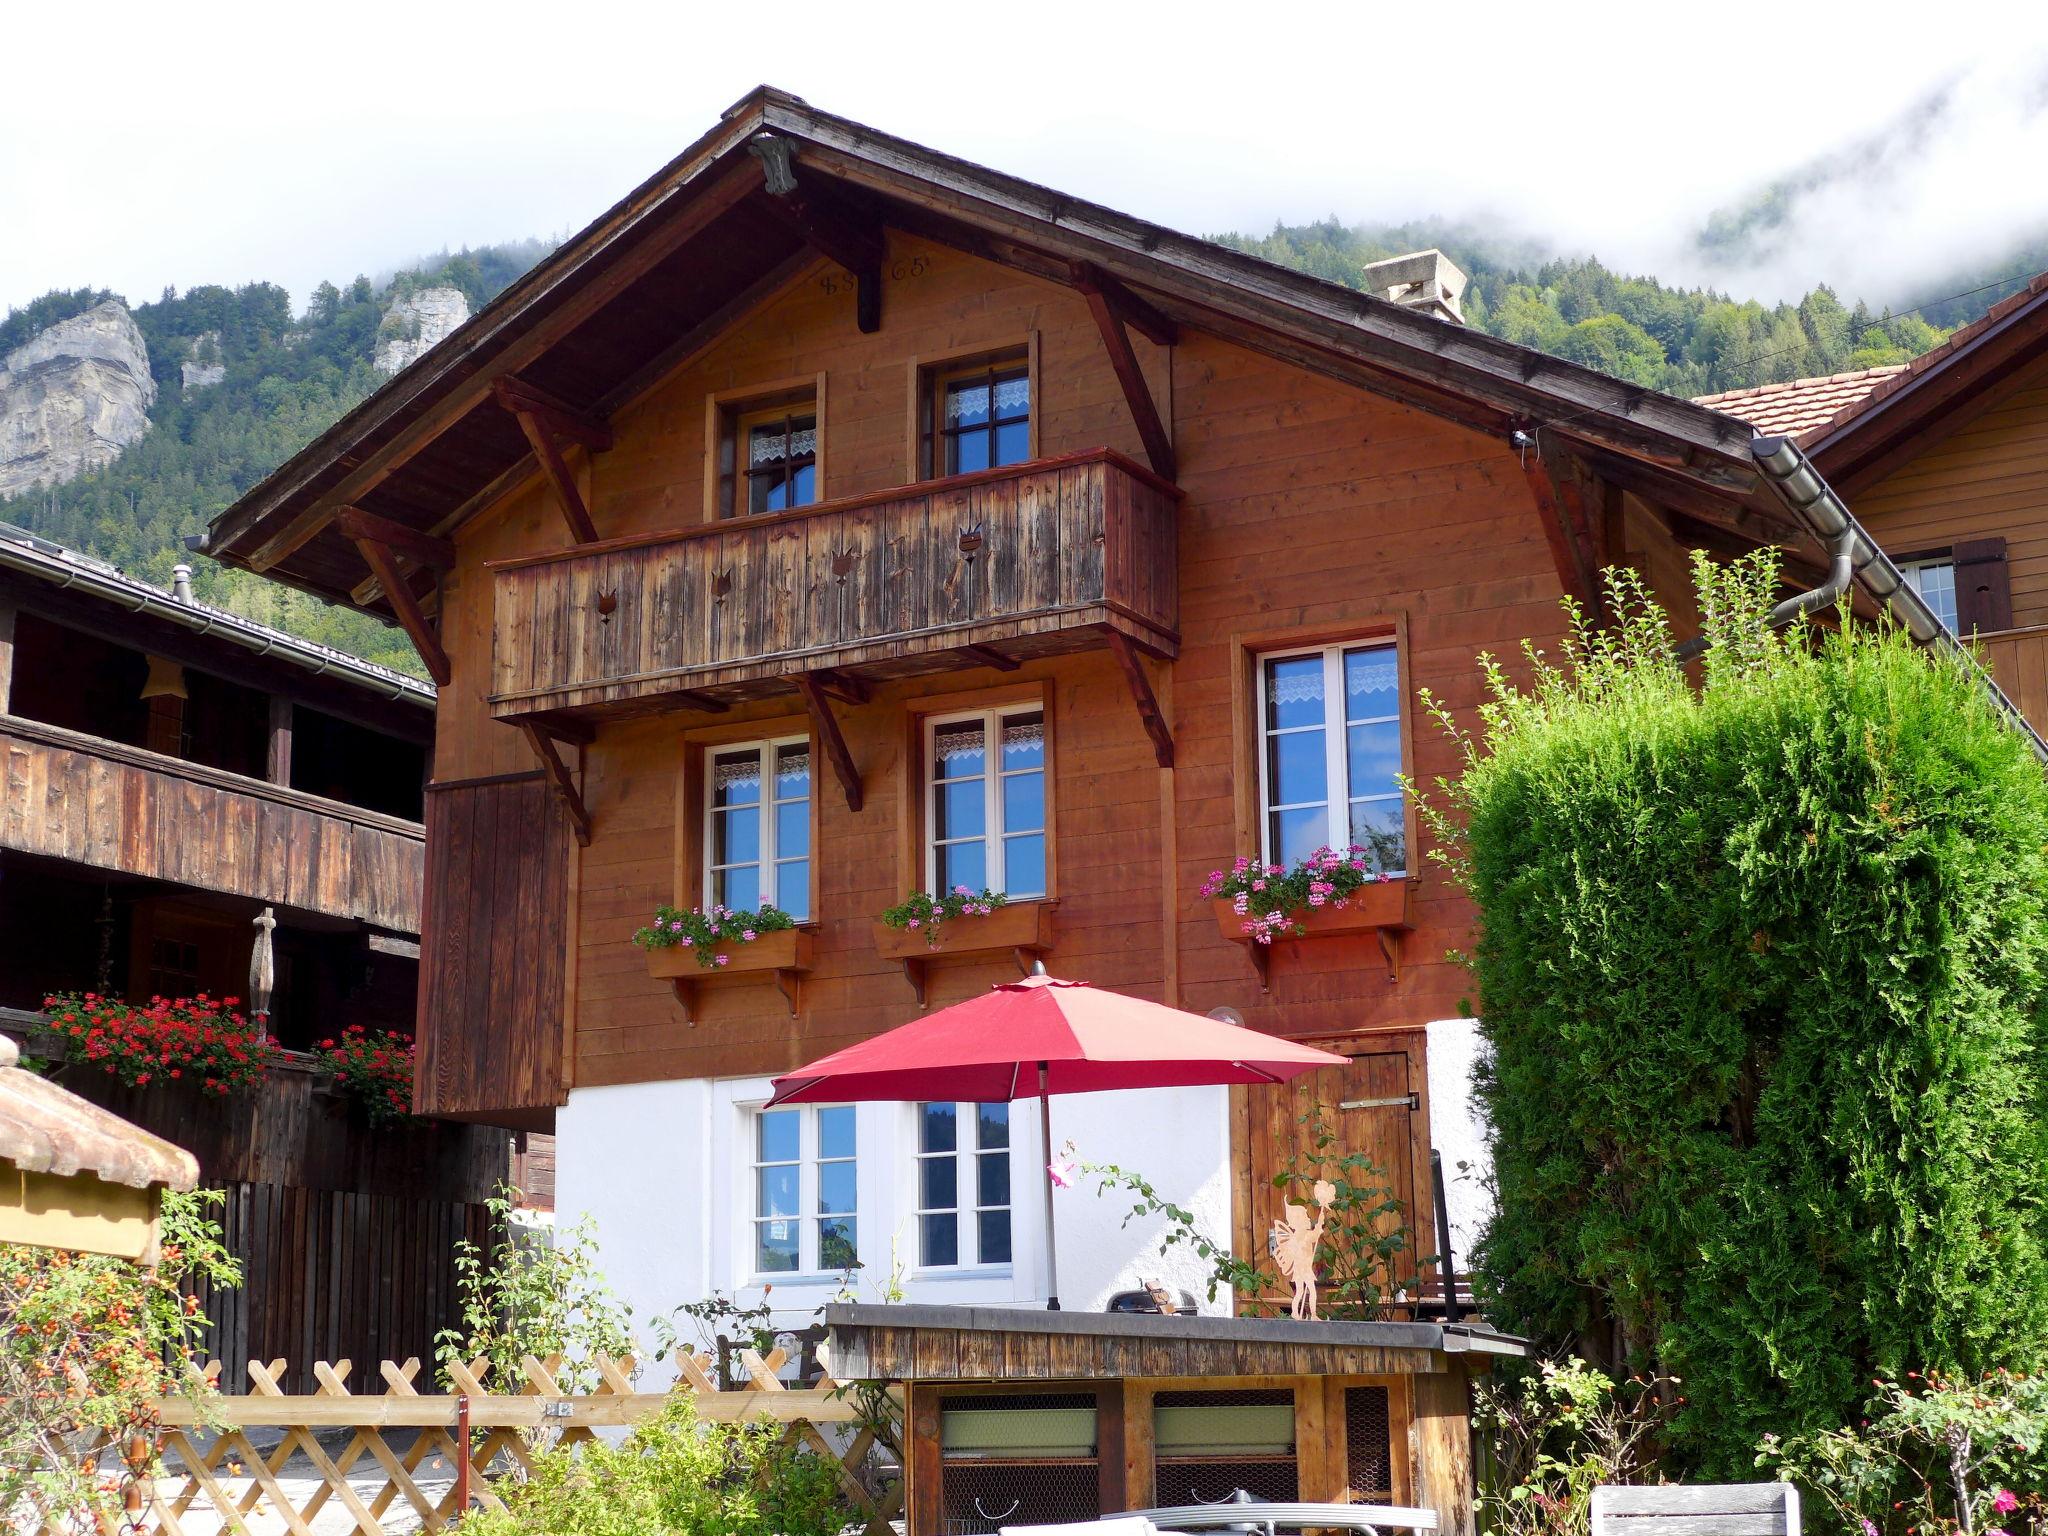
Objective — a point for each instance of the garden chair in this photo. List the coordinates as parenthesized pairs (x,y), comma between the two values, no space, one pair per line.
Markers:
(1697,1509)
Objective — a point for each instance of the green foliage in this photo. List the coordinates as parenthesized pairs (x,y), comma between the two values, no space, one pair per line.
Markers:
(535,1294)
(704,931)
(287,381)
(1760,967)
(1362,1234)
(674,1476)
(1691,341)
(86,1343)
(923,912)
(1551,1435)
(1929,1456)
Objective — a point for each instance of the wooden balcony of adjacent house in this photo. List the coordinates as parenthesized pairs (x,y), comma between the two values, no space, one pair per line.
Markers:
(2017,660)
(987,569)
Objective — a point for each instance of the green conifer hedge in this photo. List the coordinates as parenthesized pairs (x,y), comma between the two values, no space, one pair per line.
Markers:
(1760,965)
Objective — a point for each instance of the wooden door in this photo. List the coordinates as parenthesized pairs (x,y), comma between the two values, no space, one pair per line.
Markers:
(1371,1105)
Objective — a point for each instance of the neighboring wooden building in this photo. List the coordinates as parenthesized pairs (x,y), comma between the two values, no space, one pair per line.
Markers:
(834,519)
(1946,461)
(177,781)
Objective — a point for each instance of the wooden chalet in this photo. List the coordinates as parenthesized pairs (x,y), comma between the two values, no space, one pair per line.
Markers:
(182,785)
(834,519)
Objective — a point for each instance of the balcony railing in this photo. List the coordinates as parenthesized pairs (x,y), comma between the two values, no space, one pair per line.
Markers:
(980,569)
(107,805)
(2018,660)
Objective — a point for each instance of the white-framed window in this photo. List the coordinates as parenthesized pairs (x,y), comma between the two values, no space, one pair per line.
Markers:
(1935,581)
(806,1218)
(1330,754)
(963,1185)
(985,810)
(757,826)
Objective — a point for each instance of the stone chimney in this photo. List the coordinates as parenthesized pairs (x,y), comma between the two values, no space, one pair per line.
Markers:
(1428,281)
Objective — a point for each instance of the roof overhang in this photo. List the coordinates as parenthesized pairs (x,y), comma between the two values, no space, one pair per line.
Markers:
(674,264)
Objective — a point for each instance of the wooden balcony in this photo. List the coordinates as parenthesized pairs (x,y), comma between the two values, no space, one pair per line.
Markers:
(987,569)
(2018,660)
(110,806)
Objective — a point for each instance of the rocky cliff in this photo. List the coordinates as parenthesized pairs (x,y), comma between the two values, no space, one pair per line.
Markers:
(72,397)
(416,321)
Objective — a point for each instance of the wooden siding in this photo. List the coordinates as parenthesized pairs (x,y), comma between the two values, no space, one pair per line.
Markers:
(491,964)
(2018,659)
(109,806)
(1986,479)
(1027,561)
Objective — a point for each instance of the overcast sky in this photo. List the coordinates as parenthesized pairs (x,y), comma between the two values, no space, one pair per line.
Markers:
(186,143)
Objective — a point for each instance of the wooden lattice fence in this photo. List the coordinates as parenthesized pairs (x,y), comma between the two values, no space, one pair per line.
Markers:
(224,1483)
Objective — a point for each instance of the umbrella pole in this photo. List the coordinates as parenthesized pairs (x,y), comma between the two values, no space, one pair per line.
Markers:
(1052,1261)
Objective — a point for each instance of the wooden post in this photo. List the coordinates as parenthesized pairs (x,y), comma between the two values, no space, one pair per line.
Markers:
(1440,1449)
(6,658)
(279,767)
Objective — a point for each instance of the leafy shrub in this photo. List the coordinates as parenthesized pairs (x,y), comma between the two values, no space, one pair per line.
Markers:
(674,1476)
(86,1344)
(1931,1455)
(1760,970)
(376,1070)
(705,930)
(200,1040)
(1270,898)
(1554,1434)
(922,911)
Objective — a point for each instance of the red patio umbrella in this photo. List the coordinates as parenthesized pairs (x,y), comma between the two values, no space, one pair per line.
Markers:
(1041,1036)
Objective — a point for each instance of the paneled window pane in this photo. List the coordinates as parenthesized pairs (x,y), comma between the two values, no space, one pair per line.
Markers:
(1013,442)
(970,452)
(1375,758)
(776,1133)
(1023,742)
(938,1128)
(995,1237)
(793,829)
(1297,772)
(1294,692)
(802,487)
(940,1242)
(835,1132)
(738,888)
(838,1243)
(1023,865)
(938,1183)
(1372,683)
(959,810)
(992,1125)
(957,750)
(963,864)
(736,836)
(836,1189)
(993,1184)
(1024,802)
(777,1190)
(793,888)
(736,778)
(967,404)
(774,1247)
(1297,834)
(1378,825)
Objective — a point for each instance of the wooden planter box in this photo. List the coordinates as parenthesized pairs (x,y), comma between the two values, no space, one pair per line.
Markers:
(1023,929)
(1384,909)
(784,955)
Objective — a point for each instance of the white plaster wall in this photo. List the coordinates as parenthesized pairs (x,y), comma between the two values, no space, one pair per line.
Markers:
(664,1170)
(1458,1132)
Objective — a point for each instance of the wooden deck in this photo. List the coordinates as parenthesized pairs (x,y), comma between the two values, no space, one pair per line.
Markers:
(990,568)
(106,805)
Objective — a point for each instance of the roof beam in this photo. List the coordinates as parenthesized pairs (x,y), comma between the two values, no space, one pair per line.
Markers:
(1107,302)
(420,548)
(1141,315)
(541,424)
(855,243)
(577,304)
(831,738)
(1570,550)
(516,396)
(406,608)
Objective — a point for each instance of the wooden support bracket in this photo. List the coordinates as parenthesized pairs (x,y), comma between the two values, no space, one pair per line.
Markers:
(559,777)
(827,226)
(830,737)
(420,548)
(689,698)
(1390,946)
(988,656)
(1126,655)
(1561,507)
(847,690)
(406,608)
(788,981)
(916,968)
(1116,310)
(544,422)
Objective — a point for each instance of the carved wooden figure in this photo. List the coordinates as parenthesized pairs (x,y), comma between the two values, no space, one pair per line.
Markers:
(1295,1242)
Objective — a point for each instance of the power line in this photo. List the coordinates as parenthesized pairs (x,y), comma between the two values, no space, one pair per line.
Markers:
(1890,314)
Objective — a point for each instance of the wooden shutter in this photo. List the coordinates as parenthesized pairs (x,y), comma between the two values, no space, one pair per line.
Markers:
(493,953)
(1983,587)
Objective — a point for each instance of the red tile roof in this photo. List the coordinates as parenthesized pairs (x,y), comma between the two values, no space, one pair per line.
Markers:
(1798,406)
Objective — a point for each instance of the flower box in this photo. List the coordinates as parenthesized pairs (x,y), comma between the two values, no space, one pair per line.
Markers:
(1023,929)
(784,954)
(1383,908)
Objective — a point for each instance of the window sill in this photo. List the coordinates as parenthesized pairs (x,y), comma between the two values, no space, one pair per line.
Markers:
(785,954)
(1022,929)
(1385,909)
(958,1274)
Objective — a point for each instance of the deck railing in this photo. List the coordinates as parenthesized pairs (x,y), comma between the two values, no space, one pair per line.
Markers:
(1016,562)
(2018,660)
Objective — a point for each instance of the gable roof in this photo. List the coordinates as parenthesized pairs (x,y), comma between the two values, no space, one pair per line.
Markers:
(1795,407)
(658,276)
